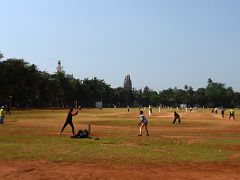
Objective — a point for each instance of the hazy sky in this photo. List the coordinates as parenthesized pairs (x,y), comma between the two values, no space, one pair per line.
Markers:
(160,43)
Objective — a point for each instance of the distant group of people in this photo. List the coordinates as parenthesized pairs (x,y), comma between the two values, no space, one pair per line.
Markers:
(231,112)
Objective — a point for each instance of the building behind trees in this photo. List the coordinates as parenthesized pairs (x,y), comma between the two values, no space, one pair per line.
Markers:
(127,83)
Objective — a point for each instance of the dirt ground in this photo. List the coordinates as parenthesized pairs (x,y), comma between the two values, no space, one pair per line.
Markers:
(41,170)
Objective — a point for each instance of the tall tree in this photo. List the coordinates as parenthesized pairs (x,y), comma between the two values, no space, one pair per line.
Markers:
(215,93)
(200,97)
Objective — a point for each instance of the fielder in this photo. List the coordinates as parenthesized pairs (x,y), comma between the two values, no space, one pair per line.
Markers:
(150,110)
(176,116)
(143,122)
(231,114)
(2,115)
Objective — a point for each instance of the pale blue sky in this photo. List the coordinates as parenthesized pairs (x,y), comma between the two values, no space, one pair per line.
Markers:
(160,43)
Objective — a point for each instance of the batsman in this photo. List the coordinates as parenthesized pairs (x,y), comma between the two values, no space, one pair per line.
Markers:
(69,121)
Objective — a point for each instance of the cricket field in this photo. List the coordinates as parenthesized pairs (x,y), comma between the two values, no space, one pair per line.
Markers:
(203,146)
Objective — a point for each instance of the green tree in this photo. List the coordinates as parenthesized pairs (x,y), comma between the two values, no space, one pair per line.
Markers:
(200,97)
(181,97)
(168,97)
(120,98)
(95,90)
(215,94)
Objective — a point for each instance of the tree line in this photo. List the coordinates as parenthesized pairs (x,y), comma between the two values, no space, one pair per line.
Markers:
(23,85)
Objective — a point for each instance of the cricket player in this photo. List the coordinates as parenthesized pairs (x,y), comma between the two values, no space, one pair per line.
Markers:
(231,114)
(69,120)
(150,110)
(222,112)
(176,116)
(2,115)
(143,122)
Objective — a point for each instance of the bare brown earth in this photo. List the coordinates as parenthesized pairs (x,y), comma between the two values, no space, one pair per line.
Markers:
(42,170)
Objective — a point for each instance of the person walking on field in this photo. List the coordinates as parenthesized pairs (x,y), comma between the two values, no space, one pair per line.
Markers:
(222,112)
(143,122)
(231,114)
(150,110)
(69,120)
(176,116)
